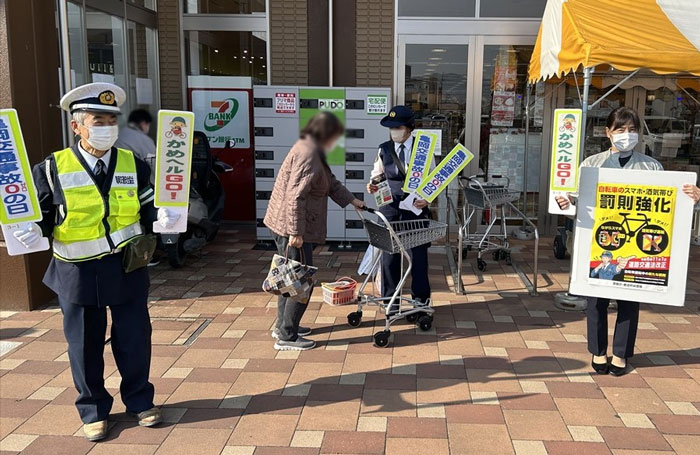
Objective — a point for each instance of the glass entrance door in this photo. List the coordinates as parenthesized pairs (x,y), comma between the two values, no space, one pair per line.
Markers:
(433,80)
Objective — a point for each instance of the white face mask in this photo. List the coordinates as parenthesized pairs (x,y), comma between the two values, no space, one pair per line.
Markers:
(102,138)
(398,134)
(625,142)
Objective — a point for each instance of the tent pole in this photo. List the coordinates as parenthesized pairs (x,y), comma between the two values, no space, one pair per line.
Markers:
(615,87)
(527,143)
(567,301)
(587,76)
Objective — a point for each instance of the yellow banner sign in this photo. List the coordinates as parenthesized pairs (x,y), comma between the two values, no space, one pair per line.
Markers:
(449,168)
(421,157)
(18,199)
(632,231)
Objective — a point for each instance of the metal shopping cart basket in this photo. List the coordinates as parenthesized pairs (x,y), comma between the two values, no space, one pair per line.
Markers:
(492,195)
(396,237)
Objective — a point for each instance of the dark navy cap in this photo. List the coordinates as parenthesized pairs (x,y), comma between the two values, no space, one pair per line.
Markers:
(399,116)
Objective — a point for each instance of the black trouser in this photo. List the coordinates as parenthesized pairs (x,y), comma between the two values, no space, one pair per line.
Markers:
(290,311)
(391,266)
(85,328)
(625,327)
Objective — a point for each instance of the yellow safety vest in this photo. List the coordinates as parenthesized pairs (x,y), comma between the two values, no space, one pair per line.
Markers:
(94,226)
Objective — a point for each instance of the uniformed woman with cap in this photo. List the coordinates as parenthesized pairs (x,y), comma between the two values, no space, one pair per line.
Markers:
(96,200)
(392,160)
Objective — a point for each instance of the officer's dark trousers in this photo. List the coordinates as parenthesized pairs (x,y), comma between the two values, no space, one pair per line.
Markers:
(85,328)
(625,327)
(289,311)
(391,266)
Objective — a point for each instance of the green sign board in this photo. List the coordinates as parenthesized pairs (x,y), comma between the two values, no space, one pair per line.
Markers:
(324,99)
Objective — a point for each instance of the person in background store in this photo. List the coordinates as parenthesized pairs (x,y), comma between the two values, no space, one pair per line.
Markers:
(623,130)
(392,159)
(297,214)
(94,199)
(134,136)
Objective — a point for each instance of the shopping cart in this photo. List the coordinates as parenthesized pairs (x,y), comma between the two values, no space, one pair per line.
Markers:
(396,237)
(487,195)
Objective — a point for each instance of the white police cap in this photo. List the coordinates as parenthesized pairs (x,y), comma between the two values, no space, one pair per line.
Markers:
(94,97)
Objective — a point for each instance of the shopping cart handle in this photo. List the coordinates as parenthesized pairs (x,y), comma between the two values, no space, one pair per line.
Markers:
(367,209)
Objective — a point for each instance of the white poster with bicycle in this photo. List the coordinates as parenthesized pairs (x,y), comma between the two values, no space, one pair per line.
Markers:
(632,235)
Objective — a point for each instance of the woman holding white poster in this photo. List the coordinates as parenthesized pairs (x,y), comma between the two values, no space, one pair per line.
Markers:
(623,129)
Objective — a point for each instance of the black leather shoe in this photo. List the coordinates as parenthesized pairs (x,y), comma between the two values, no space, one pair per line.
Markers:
(618,371)
(600,368)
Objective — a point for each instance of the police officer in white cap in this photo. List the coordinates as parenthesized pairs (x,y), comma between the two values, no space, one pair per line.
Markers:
(97,202)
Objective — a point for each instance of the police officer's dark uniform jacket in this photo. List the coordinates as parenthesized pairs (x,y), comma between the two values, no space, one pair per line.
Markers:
(395,175)
(86,285)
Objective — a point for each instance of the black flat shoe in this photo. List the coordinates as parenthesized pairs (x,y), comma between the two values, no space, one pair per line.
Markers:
(618,371)
(600,368)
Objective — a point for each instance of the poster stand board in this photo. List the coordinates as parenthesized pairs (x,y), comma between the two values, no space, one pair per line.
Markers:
(624,285)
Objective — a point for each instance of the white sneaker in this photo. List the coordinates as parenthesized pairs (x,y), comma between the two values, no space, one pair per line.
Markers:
(303,331)
(300,344)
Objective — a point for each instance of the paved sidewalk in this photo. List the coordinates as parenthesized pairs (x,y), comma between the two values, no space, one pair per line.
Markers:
(500,373)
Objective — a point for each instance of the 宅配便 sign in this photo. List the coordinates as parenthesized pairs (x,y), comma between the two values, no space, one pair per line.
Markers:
(377,104)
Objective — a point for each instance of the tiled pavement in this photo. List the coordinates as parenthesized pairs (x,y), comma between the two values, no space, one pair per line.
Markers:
(500,373)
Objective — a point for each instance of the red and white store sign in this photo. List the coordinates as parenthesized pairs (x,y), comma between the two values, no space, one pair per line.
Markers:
(285,103)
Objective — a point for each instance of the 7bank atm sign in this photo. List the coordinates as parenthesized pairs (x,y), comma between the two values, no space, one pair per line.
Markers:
(223,115)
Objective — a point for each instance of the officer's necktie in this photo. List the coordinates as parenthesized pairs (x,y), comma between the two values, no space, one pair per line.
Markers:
(100,173)
(402,154)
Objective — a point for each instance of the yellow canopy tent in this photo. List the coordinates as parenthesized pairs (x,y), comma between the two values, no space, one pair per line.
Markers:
(659,35)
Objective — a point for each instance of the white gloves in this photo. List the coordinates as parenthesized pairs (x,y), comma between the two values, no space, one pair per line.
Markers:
(28,236)
(167,218)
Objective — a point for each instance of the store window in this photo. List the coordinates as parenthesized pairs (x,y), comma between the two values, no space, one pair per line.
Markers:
(671,125)
(105,46)
(227,53)
(75,44)
(502,132)
(437,8)
(148,4)
(142,67)
(224,6)
(512,8)
(436,88)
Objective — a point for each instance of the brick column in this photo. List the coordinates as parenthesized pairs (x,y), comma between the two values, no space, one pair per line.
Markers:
(289,52)
(375,43)
(170,54)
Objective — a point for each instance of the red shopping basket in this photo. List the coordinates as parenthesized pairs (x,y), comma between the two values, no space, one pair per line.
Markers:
(341,292)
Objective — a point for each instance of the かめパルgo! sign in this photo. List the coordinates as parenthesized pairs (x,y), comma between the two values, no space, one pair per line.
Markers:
(174,158)
(565,158)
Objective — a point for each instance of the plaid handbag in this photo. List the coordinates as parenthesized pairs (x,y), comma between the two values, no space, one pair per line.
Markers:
(290,278)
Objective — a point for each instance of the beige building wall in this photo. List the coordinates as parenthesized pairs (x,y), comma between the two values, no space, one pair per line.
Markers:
(375,43)
(170,54)
(289,53)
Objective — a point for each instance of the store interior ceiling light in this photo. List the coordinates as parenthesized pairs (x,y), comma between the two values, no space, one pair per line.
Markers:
(434,58)
(439,49)
(216,51)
